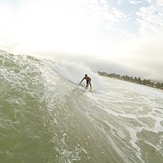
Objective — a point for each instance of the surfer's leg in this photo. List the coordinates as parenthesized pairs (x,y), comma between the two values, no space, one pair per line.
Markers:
(90,86)
(87,84)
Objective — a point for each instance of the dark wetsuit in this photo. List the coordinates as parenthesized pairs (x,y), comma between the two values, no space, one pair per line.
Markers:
(88,80)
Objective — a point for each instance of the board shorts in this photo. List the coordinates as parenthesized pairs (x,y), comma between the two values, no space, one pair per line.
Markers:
(88,81)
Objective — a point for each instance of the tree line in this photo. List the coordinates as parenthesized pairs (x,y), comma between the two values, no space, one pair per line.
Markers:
(138,80)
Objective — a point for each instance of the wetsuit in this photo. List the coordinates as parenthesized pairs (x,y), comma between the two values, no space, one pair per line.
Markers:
(88,80)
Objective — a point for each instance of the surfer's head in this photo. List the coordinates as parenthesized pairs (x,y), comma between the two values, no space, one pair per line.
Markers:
(85,74)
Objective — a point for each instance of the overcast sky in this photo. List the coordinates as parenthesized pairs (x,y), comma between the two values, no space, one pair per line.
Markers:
(112,35)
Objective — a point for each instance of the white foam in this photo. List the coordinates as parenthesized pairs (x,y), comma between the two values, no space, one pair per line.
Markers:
(74,72)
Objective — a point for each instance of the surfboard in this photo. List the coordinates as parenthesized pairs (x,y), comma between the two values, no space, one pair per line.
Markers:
(92,91)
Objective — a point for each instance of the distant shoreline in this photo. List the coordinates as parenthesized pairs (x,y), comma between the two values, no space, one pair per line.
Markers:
(146,82)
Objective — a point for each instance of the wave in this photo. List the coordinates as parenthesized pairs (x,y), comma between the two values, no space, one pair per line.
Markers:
(42,111)
(45,116)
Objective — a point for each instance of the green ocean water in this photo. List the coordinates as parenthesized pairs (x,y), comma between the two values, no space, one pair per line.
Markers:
(35,113)
(46,118)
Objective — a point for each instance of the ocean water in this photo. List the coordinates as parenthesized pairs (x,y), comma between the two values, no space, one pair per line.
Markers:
(46,117)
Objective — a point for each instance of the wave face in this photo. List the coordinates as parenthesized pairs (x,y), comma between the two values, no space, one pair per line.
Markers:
(45,116)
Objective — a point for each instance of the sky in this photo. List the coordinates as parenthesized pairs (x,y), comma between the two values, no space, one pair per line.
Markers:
(119,36)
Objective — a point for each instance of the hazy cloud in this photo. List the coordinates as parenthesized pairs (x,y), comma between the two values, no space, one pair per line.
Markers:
(125,33)
(150,20)
(134,2)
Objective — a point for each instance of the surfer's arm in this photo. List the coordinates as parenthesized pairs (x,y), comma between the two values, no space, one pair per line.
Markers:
(81,81)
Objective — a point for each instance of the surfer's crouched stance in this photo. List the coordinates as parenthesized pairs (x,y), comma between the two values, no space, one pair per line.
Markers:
(88,81)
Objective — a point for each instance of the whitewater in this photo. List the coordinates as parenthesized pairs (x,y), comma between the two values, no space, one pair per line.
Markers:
(46,117)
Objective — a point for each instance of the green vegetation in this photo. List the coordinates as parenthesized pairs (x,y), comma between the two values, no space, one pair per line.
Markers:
(146,82)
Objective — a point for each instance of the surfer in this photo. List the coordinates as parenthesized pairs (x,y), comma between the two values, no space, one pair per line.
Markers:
(88,81)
